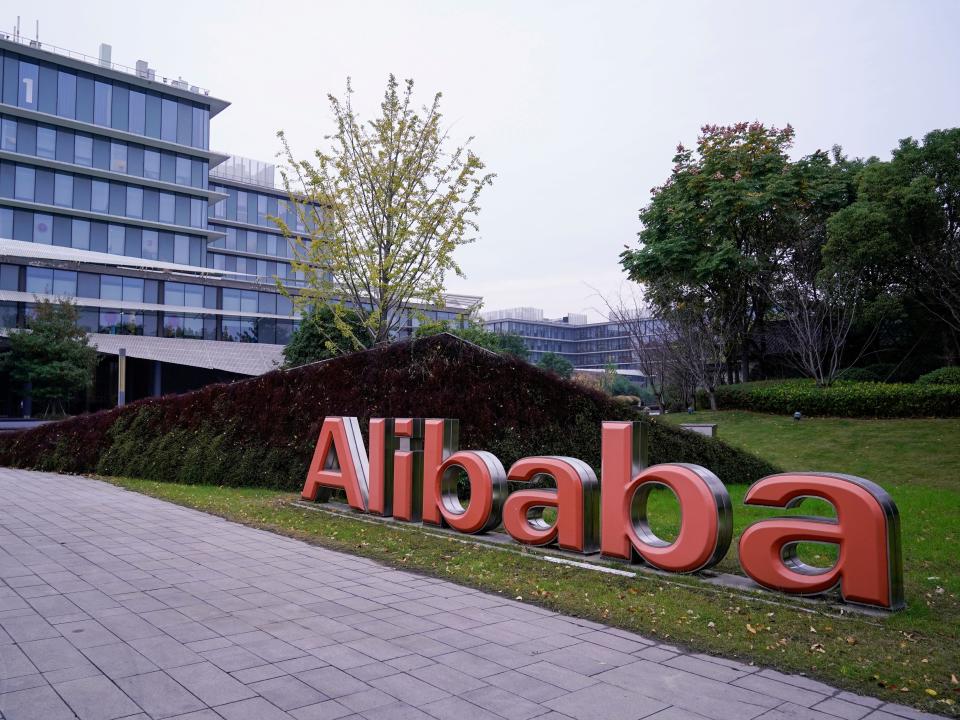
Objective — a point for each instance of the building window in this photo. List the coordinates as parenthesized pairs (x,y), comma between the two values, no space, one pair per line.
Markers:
(66,94)
(28,88)
(46,142)
(134,202)
(151,164)
(102,96)
(151,244)
(181,249)
(63,190)
(137,102)
(120,108)
(111,287)
(167,207)
(80,234)
(8,134)
(83,150)
(23,185)
(185,326)
(168,119)
(116,237)
(43,229)
(39,281)
(115,322)
(182,170)
(184,123)
(118,157)
(65,145)
(100,196)
(133,289)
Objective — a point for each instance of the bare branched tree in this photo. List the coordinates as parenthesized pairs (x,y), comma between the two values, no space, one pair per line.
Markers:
(696,345)
(646,336)
(818,308)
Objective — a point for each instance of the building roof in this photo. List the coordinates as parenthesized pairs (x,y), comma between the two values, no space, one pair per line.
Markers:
(240,358)
(145,78)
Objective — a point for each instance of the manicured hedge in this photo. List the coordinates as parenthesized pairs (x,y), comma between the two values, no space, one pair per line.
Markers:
(261,431)
(942,376)
(843,399)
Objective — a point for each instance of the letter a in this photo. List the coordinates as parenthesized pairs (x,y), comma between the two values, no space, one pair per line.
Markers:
(576,500)
(339,461)
(869,568)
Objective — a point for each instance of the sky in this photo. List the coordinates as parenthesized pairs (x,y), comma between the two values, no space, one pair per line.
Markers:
(576,106)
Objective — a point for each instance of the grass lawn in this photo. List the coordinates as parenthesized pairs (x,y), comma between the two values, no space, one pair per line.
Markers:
(911,657)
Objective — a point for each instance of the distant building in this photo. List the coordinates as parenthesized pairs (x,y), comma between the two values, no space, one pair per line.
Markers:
(111,196)
(587,345)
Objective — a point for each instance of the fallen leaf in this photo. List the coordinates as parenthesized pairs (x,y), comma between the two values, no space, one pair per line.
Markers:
(751,629)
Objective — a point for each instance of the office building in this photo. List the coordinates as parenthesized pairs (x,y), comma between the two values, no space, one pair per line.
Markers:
(111,195)
(589,346)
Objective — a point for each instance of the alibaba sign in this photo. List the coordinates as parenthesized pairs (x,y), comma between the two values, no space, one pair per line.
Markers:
(413,467)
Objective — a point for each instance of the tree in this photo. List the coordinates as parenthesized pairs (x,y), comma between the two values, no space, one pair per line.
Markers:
(714,232)
(503,343)
(901,236)
(819,309)
(319,336)
(646,336)
(557,364)
(695,345)
(384,207)
(51,361)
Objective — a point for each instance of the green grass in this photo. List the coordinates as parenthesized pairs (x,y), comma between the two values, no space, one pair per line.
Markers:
(894,453)
(909,657)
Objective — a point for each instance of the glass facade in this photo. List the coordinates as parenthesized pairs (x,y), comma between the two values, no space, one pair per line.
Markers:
(92,163)
(593,345)
(91,151)
(239,318)
(76,95)
(38,184)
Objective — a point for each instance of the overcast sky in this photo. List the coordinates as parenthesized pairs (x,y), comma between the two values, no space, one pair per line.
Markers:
(577,106)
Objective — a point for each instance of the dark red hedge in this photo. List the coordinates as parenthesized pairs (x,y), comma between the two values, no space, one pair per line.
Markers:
(262,431)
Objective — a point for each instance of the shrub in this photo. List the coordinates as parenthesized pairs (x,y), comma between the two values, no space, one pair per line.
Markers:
(859,374)
(261,432)
(943,376)
(843,399)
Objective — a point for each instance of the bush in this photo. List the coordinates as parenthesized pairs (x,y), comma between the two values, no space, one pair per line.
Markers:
(859,374)
(843,399)
(261,432)
(943,376)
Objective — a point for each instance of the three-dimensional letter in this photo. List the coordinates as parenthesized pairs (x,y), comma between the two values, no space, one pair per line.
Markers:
(706,524)
(339,461)
(869,568)
(576,499)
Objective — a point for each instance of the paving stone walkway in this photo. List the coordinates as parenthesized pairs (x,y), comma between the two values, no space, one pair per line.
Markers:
(116,605)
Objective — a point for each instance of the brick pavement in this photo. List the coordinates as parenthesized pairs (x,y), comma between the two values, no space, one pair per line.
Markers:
(116,605)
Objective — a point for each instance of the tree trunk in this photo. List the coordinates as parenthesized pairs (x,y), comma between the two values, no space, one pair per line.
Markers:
(745,363)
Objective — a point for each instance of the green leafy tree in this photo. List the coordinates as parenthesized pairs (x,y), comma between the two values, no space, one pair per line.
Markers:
(51,360)
(556,363)
(715,232)
(902,236)
(319,336)
(505,344)
(396,201)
